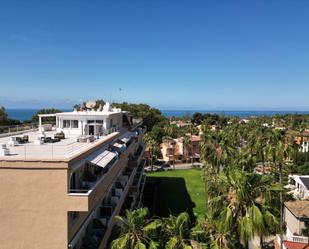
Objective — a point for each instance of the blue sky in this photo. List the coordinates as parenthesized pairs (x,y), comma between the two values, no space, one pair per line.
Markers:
(219,55)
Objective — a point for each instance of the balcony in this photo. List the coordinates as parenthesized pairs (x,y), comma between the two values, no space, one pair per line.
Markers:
(95,231)
(136,159)
(136,191)
(297,240)
(93,184)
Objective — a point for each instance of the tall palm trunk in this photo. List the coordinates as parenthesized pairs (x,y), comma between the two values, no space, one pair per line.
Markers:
(151,159)
(281,206)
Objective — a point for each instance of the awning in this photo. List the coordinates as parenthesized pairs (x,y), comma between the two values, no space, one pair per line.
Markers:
(118,145)
(126,137)
(103,159)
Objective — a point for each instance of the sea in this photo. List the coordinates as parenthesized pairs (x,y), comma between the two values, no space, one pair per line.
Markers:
(241,114)
(26,114)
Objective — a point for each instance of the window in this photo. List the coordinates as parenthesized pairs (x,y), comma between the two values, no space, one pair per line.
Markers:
(99,121)
(90,121)
(66,123)
(74,123)
(111,123)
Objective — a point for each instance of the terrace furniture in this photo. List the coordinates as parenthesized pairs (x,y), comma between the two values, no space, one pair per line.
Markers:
(90,138)
(47,139)
(51,140)
(4,151)
(19,140)
(60,135)
(26,139)
(82,139)
(12,142)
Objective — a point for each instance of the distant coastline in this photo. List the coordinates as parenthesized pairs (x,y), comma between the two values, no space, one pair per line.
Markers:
(23,114)
(26,114)
(242,114)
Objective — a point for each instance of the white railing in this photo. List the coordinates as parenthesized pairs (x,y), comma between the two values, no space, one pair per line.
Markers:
(16,129)
(292,238)
(299,239)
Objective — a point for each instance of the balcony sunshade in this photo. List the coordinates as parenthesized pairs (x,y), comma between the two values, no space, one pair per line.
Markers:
(103,158)
(126,137)
(118,145)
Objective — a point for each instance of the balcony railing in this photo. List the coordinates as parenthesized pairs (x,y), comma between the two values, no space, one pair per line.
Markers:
(97,227)
(299,239)
(16,129)
(90,185)
(291,238)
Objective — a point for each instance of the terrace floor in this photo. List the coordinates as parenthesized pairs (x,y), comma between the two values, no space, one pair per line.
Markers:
(63,149)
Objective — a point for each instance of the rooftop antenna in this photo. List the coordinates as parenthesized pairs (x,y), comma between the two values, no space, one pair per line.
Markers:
(120,99)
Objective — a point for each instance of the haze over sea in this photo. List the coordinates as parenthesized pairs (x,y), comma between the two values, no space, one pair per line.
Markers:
(26,114)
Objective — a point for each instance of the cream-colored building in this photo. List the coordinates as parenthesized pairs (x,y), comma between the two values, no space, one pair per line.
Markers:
(176,149)
(57,194)
(296,218)
(302,139)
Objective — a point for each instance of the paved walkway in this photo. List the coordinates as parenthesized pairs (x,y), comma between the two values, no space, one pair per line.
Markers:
(183,166)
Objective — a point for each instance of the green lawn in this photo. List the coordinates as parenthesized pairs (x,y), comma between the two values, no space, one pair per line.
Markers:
(178,191)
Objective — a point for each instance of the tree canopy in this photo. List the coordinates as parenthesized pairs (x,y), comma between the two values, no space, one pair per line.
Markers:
(35,117)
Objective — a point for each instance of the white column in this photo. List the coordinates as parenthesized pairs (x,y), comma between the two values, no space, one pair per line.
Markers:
(40,124)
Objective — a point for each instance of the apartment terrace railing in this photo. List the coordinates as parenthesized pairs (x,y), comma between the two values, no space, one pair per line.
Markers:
(117,209)
(135,160)
(101,176)
(293,238)
(50,151)
(17,129)
(90,185)
(95,231)
(299,239)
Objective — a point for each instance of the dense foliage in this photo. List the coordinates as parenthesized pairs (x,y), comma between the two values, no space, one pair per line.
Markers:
(209,119)
(4,120)
(137,231)
(35,117)
(150,115)
(246,165)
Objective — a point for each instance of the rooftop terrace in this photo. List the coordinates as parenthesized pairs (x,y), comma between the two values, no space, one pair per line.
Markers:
(62,150)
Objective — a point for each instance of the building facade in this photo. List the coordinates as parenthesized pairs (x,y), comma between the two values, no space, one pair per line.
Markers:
(66,194)
(179,150)
(302,139)
(296,218)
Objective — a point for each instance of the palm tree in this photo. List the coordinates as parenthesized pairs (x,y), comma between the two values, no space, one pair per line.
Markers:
(187,146)
(151,144)
(134,230)
(177,230)
(279,152)
(211,152)
(242,202)
(171,130)
(210,234)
